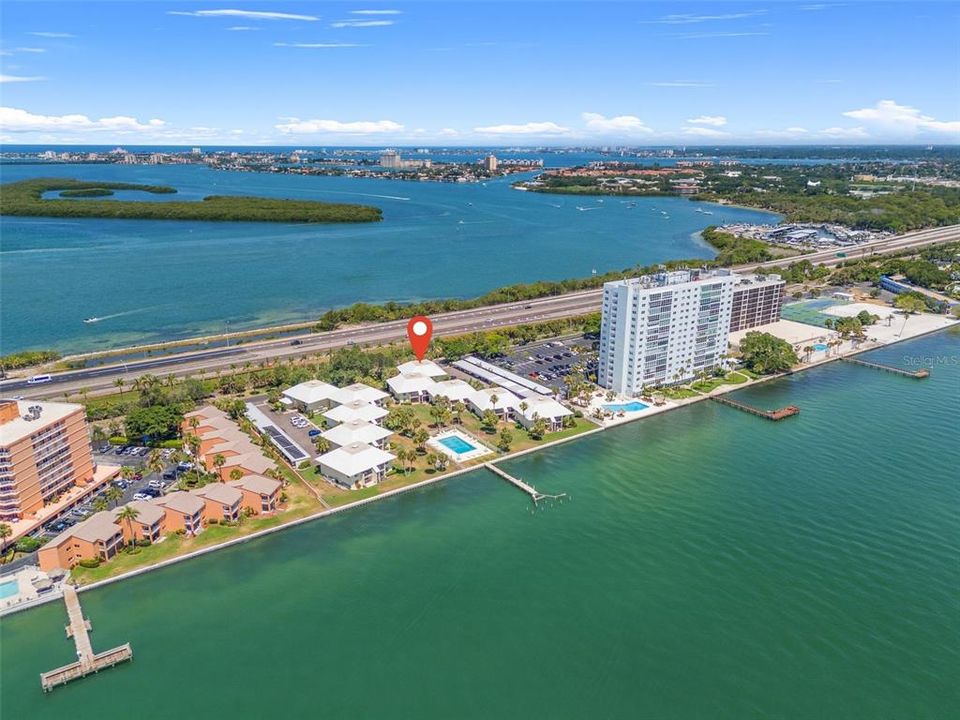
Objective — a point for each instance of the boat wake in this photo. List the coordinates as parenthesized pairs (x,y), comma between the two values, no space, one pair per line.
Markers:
(90,320)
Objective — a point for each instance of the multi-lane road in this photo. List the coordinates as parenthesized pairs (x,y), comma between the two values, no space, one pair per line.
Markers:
(452,323)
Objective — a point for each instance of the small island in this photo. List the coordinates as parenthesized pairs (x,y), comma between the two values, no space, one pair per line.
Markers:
(25,198)
(86,192)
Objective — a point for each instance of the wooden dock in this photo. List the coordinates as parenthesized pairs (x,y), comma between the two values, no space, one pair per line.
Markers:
(88,661)
(917,374)
(778,414)
(534,494)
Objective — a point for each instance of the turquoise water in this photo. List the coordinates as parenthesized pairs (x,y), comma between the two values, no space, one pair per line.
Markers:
(633,406)
(9,589)
(457,444)
(156,280)
(707,564)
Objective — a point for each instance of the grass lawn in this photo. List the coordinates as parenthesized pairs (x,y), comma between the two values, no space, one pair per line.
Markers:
(736,377)
(678,393)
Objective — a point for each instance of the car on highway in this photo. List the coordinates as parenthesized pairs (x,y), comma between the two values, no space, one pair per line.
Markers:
(296,342)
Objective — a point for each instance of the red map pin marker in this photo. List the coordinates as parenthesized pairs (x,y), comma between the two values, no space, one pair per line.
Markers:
(419,330)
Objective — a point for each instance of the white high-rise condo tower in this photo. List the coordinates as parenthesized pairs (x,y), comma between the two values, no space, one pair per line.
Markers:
(664,328)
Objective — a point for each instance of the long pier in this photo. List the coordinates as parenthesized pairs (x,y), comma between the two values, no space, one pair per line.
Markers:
(778,414)
(534,494)
(918,374)
(88,661)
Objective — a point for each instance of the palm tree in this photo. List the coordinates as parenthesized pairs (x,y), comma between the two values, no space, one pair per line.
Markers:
(420,438)
(127,472)
(100,504)
(218,462)
(323,445)
(494,399)
(441,462)
(459,408)
(236,474)
(118,383)
(401,454)
(523,407)
(114,494)
(155,461)
(809,351)
(431,460)
(129,514)
(5,532)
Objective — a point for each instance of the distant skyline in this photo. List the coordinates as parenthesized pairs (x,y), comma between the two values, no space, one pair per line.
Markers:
(430,73)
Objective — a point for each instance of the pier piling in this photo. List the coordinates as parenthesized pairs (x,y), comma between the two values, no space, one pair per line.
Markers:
(917,374)
(78,629)
(778,414)
(534,494)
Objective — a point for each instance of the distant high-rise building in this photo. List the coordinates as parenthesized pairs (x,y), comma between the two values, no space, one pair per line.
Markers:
(44,450)
(195,151)
(390,159)
(664,328)
(490,163)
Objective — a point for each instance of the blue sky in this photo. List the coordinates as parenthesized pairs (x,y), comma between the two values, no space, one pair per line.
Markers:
(465,73)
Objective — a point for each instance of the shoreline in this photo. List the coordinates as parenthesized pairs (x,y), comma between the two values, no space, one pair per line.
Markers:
(722,390)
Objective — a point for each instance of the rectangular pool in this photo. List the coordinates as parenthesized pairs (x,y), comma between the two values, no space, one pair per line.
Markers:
(456,444)
(634,406)
(9,589)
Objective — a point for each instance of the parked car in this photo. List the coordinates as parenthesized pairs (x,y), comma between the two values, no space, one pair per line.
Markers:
(169,475)
(313,433)
(141,496)
(156,484)
(152,492)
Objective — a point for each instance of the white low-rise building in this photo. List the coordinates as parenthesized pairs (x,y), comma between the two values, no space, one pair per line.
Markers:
(356,410)
(422,367)
(354,431)
(503,402)
(452,390)
(310,395)
(547,409)
(355,465)
(412,387)
(359,392)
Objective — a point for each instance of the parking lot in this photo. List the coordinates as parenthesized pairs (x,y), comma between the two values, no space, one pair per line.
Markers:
(144,484)
(295,425)
(549,362)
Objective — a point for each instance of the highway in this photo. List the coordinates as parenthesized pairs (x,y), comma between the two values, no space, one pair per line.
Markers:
(452,323)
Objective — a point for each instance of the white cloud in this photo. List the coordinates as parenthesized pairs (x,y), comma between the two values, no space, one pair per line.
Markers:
(52,34)
(360,127)
(839,133)
(448,132)
(681,84)
(789,133)
(689,19)
(714,120)
(30,49)
(621,124)
(19,78)
(902,119)
(705,132)
(361,23)
(248,14)
(319,45)
(530,128)
(17,120)
(242,28)
(376,12)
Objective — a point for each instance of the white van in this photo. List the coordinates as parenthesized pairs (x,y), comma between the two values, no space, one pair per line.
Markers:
(37,379)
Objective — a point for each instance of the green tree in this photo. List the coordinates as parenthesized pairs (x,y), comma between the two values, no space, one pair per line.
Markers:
(489,420)
(909,304)
(218,462)
(128,514)
(5,532)
(420,438)
(114,494)
(764,353)
(157,422)
(100,504)
(505,439)
(236,474)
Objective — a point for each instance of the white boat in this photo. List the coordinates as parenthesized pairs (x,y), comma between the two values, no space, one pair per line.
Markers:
(91,319)
(707,212)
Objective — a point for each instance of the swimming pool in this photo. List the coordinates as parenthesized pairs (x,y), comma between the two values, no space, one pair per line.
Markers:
(820,346)
(456,444)
(634,406)
(9,589)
